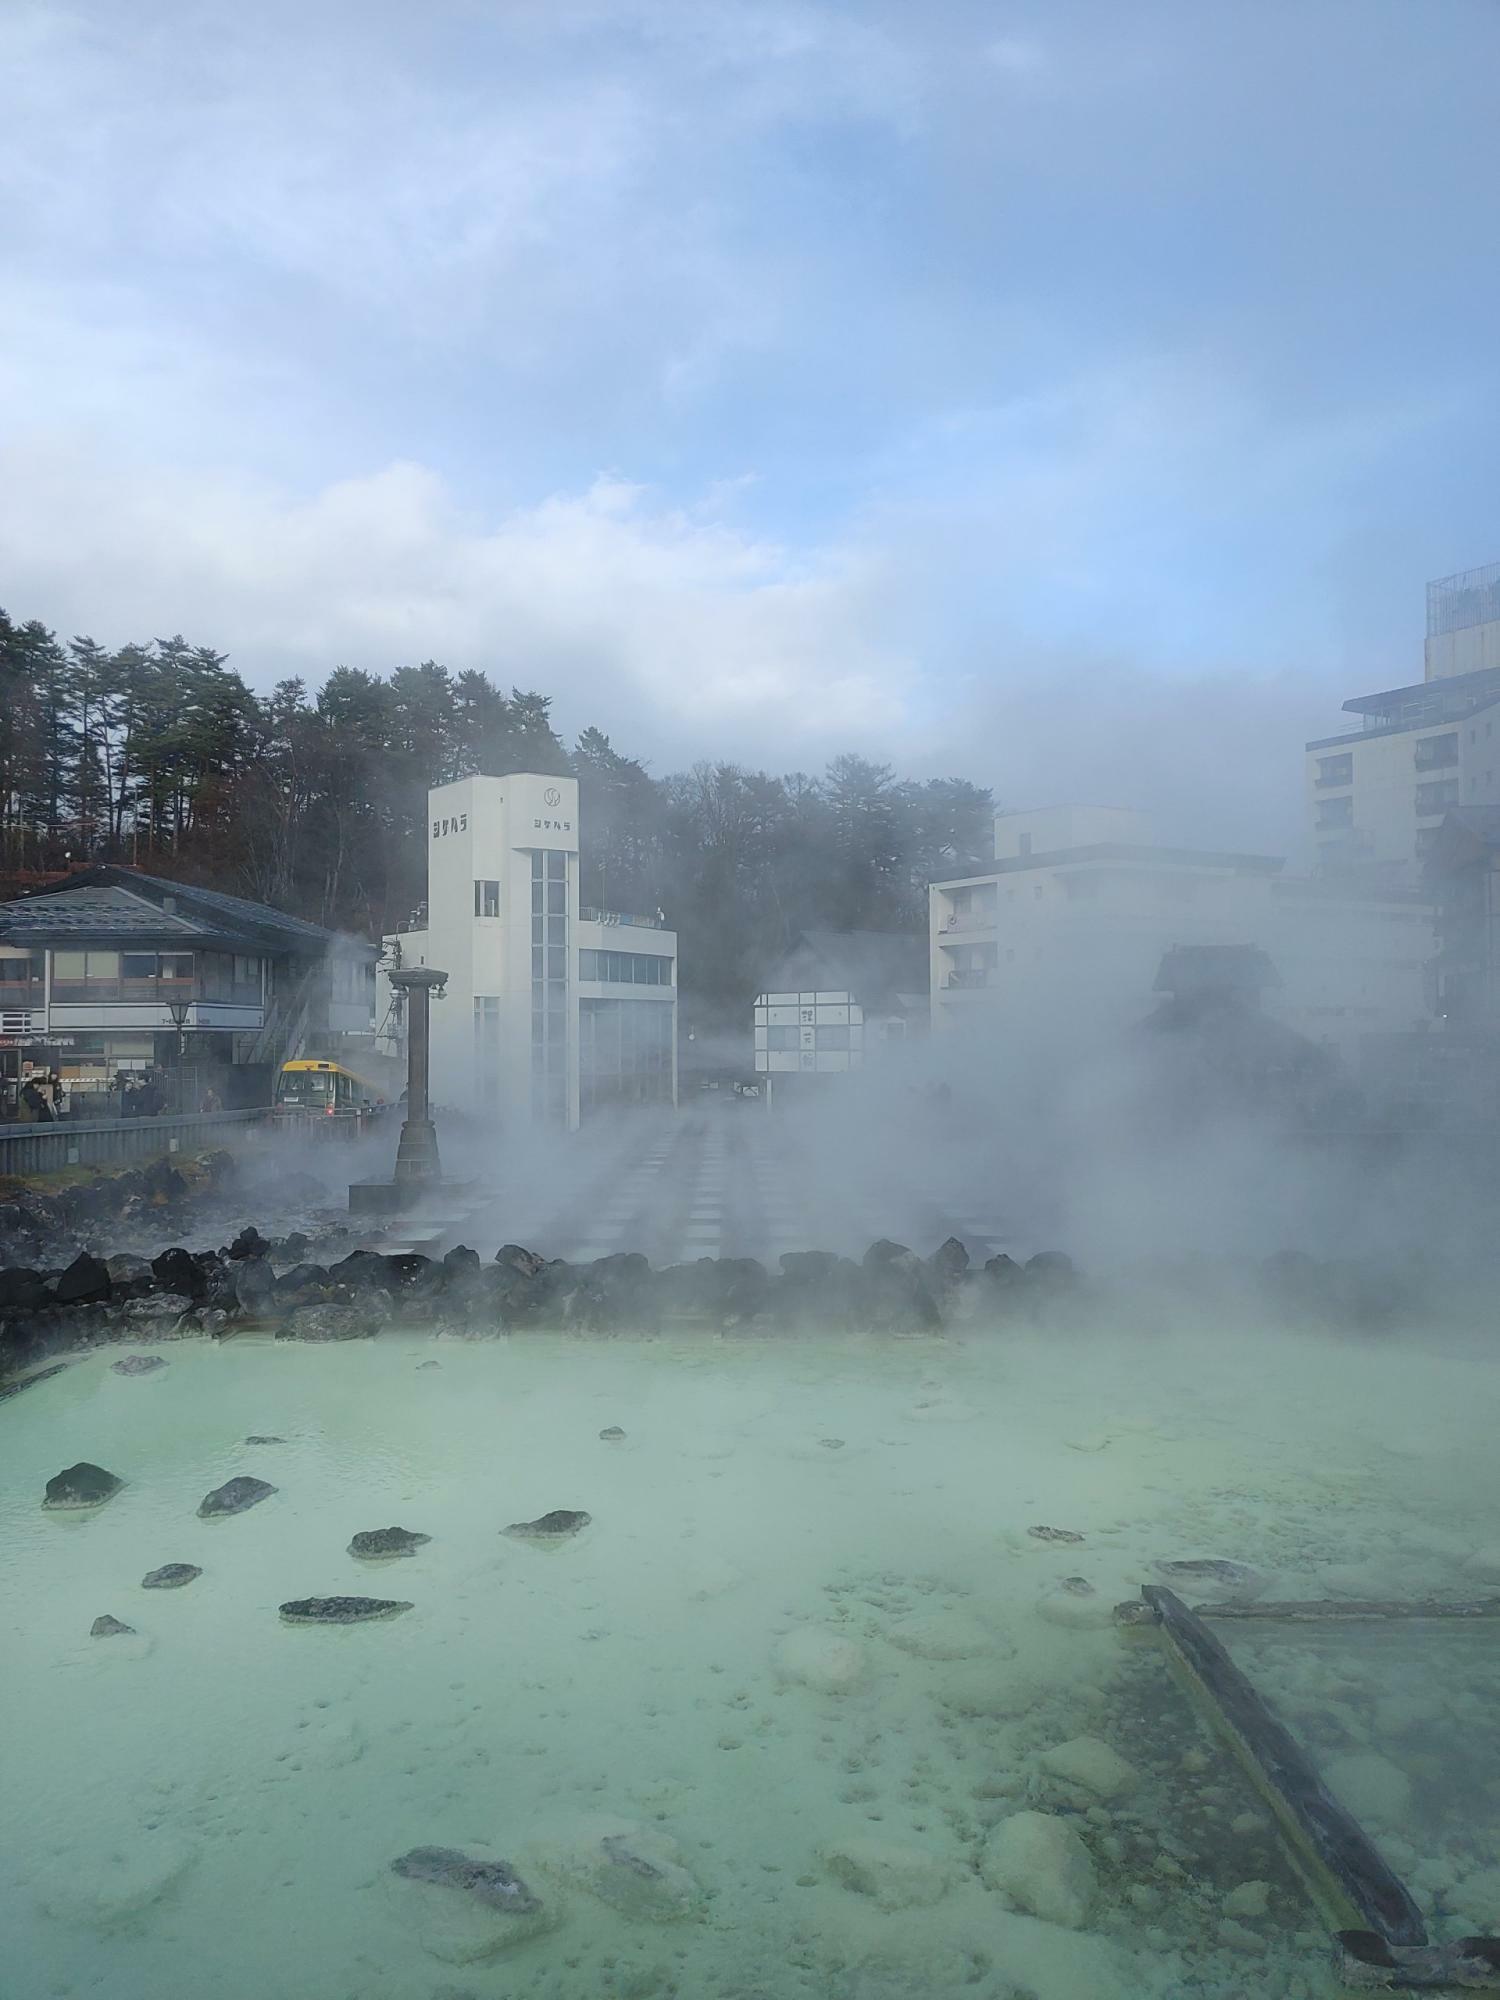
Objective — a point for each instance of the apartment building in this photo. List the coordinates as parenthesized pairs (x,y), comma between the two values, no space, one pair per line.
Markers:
(1067,931)
(1377,794)
(552,1011)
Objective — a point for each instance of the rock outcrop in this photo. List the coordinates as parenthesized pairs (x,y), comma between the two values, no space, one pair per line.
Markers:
(234,1497)
(340,1610)
(80,1486)
(384,1544)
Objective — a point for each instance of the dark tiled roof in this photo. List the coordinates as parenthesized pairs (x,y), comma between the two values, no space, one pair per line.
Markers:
(112,904)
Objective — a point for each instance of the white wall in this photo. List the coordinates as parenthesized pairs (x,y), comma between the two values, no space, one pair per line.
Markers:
(482,830)
(1463,652)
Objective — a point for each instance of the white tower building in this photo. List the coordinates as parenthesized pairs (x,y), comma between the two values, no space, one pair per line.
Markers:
(552,1011)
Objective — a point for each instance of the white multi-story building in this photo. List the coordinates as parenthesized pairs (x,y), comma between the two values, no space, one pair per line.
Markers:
(551,1011)
(1377,795)
(1066,933)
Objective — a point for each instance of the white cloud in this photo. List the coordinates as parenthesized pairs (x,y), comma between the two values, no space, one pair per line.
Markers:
(674,629)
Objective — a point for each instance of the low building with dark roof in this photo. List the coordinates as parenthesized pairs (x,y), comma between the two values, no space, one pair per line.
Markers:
(834,996)
(119,973)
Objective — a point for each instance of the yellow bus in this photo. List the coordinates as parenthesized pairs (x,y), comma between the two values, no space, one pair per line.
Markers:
(309,1087)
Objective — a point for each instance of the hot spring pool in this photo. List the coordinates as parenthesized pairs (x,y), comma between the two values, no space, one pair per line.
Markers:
(211,1805)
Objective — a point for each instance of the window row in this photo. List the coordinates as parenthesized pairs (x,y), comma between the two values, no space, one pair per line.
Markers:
(626,968)
(156,975)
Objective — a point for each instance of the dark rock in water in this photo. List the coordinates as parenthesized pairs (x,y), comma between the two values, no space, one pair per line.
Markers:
(21,1290)
(897,1292)
(177,1270)
(948,1263)
(138,1364)
(248,1244)
(883,1253)
(1209,1569)
(495,1883)
(82,1485)
(85,1282)
(408,1267)
(234,1496)
(553,1527)
(360,1268)
(612,1434)
(1053,1266)
(254,1284)
(461,1260)
(379,1544)
(258,1438)
(428,1364)
(1002,1271)
(1077,1586)
(340,1610)
(831,1444)
(305,1285)
(108,1628)
(526,1263)
(171,1576)
(1054,1534)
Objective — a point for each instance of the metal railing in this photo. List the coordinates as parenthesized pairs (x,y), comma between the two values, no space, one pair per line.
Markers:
(68,1142)
(588,916)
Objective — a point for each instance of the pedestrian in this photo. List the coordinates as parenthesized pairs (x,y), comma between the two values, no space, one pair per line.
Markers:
(211,1101)
(57,1094)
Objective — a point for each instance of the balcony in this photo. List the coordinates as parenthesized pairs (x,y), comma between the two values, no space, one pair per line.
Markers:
(968,982)
(968,920)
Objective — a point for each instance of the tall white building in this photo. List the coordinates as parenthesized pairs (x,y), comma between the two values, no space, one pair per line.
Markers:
(1377,794)
(551,1011)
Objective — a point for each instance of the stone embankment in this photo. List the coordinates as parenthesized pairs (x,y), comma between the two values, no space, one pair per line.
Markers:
(59,1292)
(253,1285)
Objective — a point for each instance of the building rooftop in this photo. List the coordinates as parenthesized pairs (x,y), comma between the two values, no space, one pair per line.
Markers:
(1422,705)
(1131,852)
(115,905)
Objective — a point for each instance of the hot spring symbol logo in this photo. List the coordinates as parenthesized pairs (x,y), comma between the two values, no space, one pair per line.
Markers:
(552,796)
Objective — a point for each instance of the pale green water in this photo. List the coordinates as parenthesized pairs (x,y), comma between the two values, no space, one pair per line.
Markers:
(212,1809)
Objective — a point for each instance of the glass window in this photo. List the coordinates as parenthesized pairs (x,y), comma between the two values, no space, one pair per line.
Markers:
(557,930)
(536,894)
(557,899)
(138,965)
(486,899)
(174,964)
(557,865)
(538,964)
(588,964)
(106,964)
(557,961)
(70,964)
(536,864)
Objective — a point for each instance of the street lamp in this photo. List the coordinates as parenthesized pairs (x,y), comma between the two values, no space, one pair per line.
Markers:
(179,1010)
(417,1162)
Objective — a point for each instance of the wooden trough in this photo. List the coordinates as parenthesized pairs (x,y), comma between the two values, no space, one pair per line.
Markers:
(1379,1935)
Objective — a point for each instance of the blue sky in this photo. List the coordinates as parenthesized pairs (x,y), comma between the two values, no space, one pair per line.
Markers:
(1076,396)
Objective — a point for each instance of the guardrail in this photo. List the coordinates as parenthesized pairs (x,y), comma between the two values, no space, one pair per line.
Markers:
(41,1149)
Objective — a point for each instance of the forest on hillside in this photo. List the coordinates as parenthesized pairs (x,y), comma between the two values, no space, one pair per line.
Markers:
(159,754)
